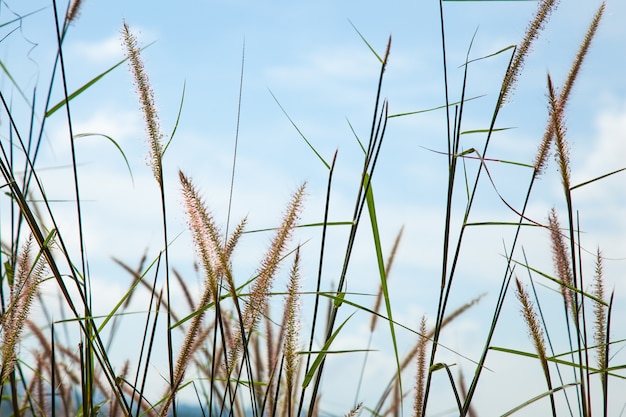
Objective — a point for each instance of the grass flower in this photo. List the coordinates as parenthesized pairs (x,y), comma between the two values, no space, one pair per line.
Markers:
(291,326)
(536,333)
(146,100)
(73,11)
(23,290)
(420,379)
(561,261)
(600,323)
(257,301)
(544,10)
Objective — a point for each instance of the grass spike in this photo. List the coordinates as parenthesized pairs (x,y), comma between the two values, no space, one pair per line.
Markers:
(561,261)
(261,286)
(600,323)
(536,334)
(420,379)
(146,99)
(537,24)
(291,326)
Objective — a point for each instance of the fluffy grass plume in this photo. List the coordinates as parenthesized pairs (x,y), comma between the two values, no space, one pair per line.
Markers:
(259,294)
(561,261)
(544,10)
(561,102)
(23,289)
(600,323)
(420,379)
(73,11)
(146,100)
(291,326)
(536,333)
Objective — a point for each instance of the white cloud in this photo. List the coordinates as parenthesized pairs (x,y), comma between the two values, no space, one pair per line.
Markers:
(610,144)
(102,51)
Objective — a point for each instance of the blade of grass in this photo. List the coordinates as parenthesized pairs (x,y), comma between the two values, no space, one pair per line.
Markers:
(322,354)
(299,131)
(366,42)
(114,142)
(85,86)
(371,207)
(433,108)
(542,395)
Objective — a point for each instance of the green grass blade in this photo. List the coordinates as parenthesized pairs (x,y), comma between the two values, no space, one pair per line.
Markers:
(371,208)
(582,184)
(299,132)
(559,282)
(180,111)
(488,56)
(366,42)
(542,395)
(320,357)
(86,86)
(269,229)
(17,87)
(469,132)
(114,142)
(434,108)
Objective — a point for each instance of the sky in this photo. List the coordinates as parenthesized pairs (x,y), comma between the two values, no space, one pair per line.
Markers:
(313,61)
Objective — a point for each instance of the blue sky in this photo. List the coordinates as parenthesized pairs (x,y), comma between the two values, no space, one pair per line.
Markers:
(316,65)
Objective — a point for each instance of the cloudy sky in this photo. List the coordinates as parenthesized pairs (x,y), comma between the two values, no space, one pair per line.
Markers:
(313,61)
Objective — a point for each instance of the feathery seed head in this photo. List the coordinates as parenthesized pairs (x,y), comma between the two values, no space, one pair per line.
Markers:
(557,126)
(560,259)
(420,380)
(292,327)
(261,287)
(146,100)
(73,11)
(544,10)
(534,327)
(23,291)
(600,323)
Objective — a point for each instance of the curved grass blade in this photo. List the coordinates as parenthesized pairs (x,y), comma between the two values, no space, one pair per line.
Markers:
(82,89)
(17,87)
(180,111)
(435,108)
(559,282)
(545,394)
(487,56)
(114,142)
